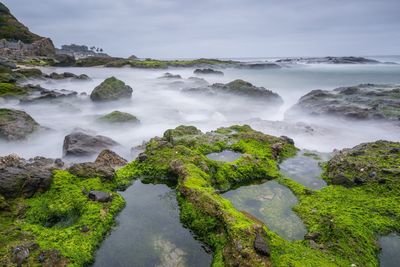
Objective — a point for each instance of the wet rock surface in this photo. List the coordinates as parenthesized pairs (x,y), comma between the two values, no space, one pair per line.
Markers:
(208,71)
(83,144)
(38,94)
(91,170)
(20,177)
(238,88)
(110,158)
(368,163)
(168,75)
(99,196)
(16,124)
(119,117)
(111,89)
(361,102)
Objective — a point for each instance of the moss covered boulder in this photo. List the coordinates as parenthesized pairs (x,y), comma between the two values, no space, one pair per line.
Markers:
(111,89)
(16,124)
(369,163)
(119,117)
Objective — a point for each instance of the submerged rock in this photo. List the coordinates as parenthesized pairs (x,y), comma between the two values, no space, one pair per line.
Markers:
(45,94)
(168,75)
(208,71)
(258,66)
(99,196)
(16,124)
(243,88)
(119,117)
(19,177)
(260,244)
(82,144)
(239,88)
(66,75)
(361,102)
(367,163)
(111,89)
(20,254)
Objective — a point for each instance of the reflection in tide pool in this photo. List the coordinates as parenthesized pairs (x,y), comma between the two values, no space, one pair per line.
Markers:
(390,254)
(226,156)
(149,233)
(304,170)
(271,203)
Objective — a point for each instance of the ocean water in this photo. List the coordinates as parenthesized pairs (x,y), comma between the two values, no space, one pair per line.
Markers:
(159,104)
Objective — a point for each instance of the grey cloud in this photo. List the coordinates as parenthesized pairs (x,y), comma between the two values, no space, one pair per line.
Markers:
(218,28)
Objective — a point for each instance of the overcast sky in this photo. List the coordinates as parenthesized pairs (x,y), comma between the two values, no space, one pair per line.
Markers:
(218,28)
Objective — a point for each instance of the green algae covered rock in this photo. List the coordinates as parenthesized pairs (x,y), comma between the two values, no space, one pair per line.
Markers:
(119,117)
(179,158)
(375,162)
(346,218)
(111,89)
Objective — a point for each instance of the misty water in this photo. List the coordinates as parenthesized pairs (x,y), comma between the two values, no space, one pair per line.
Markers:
(159,104)
(271,203)
(149,233)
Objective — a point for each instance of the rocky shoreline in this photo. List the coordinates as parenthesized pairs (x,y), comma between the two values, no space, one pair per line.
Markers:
(56,211)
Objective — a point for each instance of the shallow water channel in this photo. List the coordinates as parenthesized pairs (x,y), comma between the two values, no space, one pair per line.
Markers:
(149,233)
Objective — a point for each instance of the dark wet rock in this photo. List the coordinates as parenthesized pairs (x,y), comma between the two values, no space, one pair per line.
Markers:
(287,139)
(111,89)
(312,236)
(133,57)
(365,164)
(179,131)
(19,255)
(4,62)
(91,170)
(239,88)
(66,75)
(168,75)
(260,244)
(361,102)
(258,66)
(142,157)
(243,88)
(83,144)
(51,258)
(110,158)
(19,177)
(30,73)
(85,229)
(198,81)
(99,196)
(119,117)
(63,60)
(16,124)
(207,71)
(42,94)
(329,60)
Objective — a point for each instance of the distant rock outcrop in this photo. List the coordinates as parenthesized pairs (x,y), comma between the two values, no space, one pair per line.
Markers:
(17,41)
(328,60)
